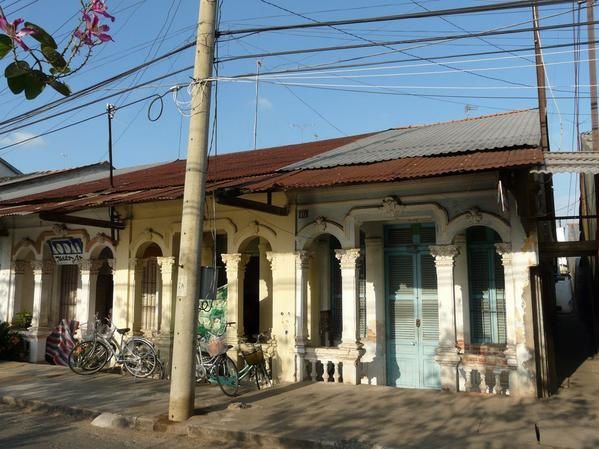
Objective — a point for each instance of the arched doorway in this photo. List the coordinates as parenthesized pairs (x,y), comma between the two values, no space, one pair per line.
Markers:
(257,289)
(150,289)
(324,302)
(104,285)
(24,285)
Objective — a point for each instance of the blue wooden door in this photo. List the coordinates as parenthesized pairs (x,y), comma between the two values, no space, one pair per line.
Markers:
(412,315)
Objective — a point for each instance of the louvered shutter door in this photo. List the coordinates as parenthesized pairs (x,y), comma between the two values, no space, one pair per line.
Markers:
(480,307)
(500,300)
(401,292)
(430,310)
(399,236)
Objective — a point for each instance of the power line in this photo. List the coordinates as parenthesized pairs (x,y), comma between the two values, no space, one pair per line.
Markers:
(371,65)
(405,41)
(414,15)
(106,97)
(92,88)
(69,125)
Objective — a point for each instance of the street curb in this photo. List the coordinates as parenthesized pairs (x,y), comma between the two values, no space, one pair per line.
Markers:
(41,406)
(269,440)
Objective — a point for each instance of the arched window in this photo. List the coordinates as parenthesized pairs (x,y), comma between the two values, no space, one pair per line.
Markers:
(150,293)
(486,286)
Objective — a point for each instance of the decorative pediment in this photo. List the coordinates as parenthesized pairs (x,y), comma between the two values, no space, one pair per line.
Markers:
(392,206)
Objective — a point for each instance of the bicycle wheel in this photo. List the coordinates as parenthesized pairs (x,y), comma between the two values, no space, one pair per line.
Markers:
(262,379)
(139,358)
(227,375)
(88,357)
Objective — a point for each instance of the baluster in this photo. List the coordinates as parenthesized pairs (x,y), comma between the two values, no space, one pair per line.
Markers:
(337,366)
(484,387)
(468,381)
(497,388)
(313,372)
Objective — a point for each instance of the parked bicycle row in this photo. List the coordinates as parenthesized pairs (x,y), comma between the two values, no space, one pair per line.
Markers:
(138,356)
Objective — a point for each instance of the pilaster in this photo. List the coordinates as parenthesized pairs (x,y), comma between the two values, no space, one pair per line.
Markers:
(39,331)
(350,340)
(447,353)
(302,273)
(235,267)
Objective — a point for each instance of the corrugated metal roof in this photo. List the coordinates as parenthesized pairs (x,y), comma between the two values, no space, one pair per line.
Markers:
(570,162)
(506,130)
(260,170)
(399,169)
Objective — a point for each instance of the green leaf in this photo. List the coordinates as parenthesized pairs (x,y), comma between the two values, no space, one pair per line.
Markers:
(35,83)
(5,45)
(54,58)
(17,84)
(59,87)
(41,35)
(16,69)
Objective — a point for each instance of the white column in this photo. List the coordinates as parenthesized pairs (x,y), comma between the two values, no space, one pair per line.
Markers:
(302,272)
(39,331)
(374,345)
(85,307)
(164,340)
(235,266)
(505,251)
(17,269)
(137,269)
(265,289)
(350,340)
(166,271)
(447,354)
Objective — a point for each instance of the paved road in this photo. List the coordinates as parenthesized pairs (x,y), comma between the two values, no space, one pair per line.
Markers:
(22,429)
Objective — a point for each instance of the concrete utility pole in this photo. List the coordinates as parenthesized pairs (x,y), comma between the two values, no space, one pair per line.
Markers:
(593,76)
(540,79)
(182,393)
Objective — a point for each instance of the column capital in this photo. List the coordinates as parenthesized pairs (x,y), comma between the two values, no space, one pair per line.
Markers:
(348,258)
(135,264)
(275,260)
(86,265)
(166,264)
(19,266)
(444,254)
(505,251)
(42,266)
(302,260)
(234,261)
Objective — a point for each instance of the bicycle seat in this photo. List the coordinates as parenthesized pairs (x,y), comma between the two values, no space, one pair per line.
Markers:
(123,331)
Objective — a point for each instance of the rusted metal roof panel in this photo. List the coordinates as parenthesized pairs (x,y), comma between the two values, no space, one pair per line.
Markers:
(409,168)
(514,129)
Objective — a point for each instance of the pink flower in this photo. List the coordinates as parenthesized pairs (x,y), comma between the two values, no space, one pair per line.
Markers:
(11,30)
(92,31)
(98,7)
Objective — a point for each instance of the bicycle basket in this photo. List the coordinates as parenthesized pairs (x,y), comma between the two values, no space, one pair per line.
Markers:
(215,346)
(255,357)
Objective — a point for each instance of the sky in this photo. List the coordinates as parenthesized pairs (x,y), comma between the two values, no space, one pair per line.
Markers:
(411,87)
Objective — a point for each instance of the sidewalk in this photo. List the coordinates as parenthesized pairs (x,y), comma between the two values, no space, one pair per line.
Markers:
(322,415)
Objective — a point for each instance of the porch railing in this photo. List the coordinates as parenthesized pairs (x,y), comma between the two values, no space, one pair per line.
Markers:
(324,365)
(485,379)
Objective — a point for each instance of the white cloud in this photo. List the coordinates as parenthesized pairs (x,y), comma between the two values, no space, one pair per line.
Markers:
(20,136)
(265,103)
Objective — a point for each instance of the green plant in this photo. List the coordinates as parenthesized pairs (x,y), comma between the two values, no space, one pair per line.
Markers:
(12,345)
(22,320)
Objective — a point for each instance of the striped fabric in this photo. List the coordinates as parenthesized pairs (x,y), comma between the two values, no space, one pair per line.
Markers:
(60,342)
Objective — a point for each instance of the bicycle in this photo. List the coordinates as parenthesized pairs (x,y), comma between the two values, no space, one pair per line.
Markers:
(254,365)
(137,354)
(213,365)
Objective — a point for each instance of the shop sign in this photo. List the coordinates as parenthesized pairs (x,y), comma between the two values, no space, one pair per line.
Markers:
(66,251)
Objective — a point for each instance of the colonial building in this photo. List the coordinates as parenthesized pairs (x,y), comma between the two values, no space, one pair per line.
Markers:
(397,258)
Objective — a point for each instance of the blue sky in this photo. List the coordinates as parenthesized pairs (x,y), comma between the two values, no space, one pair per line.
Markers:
(289,114)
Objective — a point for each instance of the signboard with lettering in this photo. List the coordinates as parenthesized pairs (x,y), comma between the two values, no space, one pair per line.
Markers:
(66,251)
